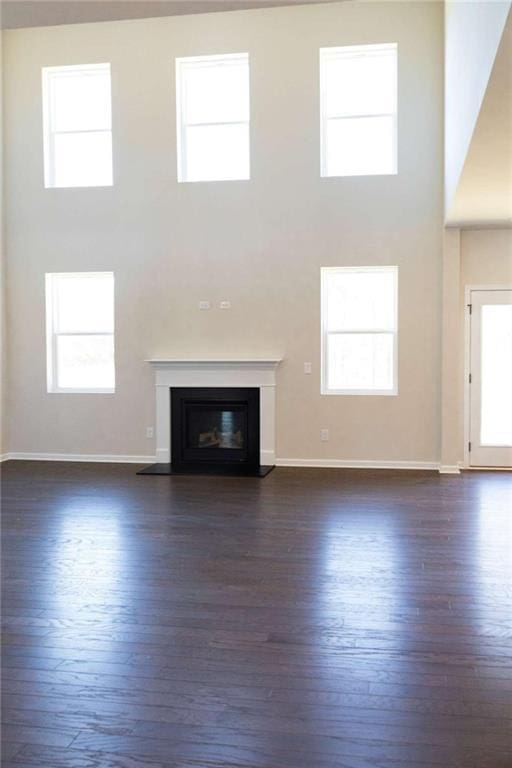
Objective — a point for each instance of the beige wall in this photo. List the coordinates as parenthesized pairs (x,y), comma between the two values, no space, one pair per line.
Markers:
(451,353)
(486,257)
(259,244)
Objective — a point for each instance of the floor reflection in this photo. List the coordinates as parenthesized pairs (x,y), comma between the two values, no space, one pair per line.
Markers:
(89,563)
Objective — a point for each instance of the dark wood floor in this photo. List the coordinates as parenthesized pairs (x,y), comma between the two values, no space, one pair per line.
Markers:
(314,619)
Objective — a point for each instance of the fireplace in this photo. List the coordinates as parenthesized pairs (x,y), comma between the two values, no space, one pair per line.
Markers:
(231,418)
(215,428)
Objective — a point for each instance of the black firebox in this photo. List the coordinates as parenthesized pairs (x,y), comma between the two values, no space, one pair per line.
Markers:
(215,429)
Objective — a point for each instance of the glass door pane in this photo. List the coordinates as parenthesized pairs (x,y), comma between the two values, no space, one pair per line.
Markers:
(496,407)
(490,381)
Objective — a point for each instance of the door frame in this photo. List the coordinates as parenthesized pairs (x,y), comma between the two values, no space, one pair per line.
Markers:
(467,357)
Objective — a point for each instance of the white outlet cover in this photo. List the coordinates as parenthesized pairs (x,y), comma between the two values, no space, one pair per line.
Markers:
(225,305)
(324,435)
(307,367)
(204,305)
(150,432)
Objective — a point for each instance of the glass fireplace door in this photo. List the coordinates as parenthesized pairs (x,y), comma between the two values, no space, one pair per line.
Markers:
(215,426)
(211,428)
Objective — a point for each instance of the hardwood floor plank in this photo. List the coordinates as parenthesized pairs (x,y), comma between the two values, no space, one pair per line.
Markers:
(316,619)
(9,750)
(72,758)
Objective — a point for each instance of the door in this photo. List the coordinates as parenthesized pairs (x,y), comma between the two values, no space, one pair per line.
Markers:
(490,387)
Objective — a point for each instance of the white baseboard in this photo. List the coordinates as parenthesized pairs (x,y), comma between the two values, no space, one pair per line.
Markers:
(449,469)
(358,464)
(318,463)
(94,457)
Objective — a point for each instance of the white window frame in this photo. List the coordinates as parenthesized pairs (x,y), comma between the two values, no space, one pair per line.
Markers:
(351,51)
(325,333)
(49,132)
(181,133)
(53,335)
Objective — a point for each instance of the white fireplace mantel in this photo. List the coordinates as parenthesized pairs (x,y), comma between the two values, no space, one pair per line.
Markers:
(217,372)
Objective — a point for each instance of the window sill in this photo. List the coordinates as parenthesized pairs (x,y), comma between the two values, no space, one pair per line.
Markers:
(212,181)
(81,391)
(357,175)
(361,392)
(79,186)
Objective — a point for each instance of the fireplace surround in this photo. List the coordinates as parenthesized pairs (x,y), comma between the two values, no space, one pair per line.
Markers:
(235,375)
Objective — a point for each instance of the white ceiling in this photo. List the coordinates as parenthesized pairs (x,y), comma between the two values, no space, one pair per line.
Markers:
(43,13)
(484,194)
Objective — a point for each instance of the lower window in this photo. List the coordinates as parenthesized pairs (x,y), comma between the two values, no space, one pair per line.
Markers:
(80,332)
(359,330)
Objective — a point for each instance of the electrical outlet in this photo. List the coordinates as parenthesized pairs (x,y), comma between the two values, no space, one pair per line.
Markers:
(307,367)
(324,435)
(225,305)
(150,432)
(204,305)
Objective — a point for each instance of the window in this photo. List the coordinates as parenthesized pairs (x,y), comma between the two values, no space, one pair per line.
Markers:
(359,330)
(213,117)
(77,125)
(80,332)
(358,102)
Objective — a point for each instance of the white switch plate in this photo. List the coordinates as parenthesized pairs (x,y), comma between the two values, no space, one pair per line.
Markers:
(324,435)
(204,305)
(307,367)
(225,305)
(150,432)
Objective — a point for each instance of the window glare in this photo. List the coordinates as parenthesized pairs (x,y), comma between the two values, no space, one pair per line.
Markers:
(85,362)
(359,330)
(77,123)
(212,113)
(217,152)
(360,85)
(358,91)
(80,331)
(496,413)
(361,300)
(84,303)
(82,159)
(360,146)
(81,100)
(216,93)
(360,361)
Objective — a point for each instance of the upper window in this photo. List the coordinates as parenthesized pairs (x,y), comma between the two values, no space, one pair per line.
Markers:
(358,103)
(212,110)
(77,123)
(359,330)
(80,331)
